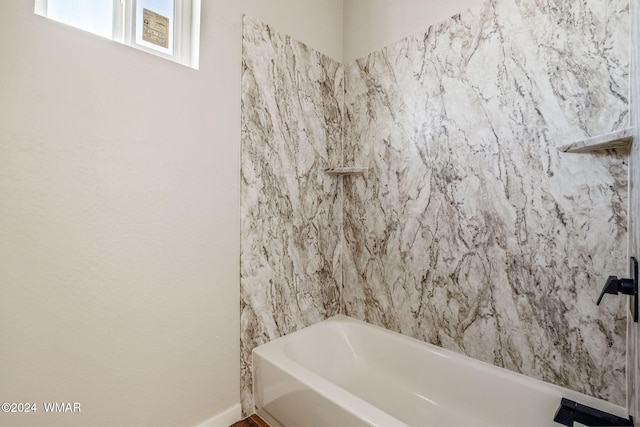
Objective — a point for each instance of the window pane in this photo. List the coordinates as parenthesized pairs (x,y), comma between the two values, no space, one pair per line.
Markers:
(167,28)
(155,24)
(95,16)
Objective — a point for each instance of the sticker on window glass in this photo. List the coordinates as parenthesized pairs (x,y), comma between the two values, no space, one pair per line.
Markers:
(155,28)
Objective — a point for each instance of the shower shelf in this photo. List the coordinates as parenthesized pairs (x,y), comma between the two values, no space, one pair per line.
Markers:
(615,139)
(346,171)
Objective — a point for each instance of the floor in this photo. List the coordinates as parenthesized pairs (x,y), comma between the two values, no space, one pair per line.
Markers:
(251,421)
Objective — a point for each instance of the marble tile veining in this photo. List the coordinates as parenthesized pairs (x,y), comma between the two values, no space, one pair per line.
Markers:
(620,138)
(633,330)
(464,226)
(292,100)
(471,230)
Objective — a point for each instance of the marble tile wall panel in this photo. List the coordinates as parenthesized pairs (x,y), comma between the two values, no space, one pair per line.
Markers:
(633,374)
(470,230)
(292,100)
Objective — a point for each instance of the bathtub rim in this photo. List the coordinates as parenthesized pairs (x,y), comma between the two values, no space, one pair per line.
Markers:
(275,350)
(337,395)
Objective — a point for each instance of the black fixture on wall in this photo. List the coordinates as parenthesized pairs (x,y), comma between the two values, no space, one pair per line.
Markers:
(570,412)
(615,286)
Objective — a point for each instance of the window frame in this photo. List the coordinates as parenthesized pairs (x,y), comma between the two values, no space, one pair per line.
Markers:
(186,28)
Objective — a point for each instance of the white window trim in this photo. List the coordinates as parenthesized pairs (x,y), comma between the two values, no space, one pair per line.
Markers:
(186,29)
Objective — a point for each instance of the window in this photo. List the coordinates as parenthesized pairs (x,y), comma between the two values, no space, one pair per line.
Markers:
(167,28)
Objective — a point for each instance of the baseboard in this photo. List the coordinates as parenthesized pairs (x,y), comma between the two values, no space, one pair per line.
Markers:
(225,418)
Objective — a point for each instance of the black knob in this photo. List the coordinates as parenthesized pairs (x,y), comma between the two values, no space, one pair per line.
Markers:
(614,286)
(626,287)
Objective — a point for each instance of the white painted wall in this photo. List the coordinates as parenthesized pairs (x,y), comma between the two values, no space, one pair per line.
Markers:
(370,25)
(317,23)
(119,217)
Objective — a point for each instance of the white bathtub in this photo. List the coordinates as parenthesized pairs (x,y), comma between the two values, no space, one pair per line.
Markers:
(343,372)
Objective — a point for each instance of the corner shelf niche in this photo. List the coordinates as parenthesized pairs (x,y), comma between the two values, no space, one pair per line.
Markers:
(342,171)
(607,141)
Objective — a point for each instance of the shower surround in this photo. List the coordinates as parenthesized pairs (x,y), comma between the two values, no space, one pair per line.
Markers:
(633,330)
(468,229)
(292,100)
